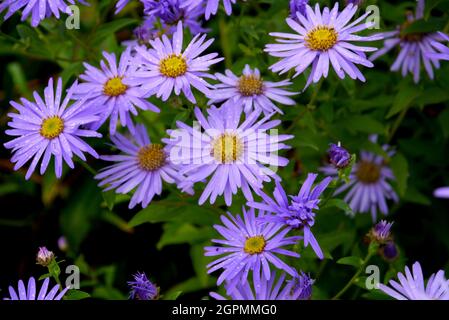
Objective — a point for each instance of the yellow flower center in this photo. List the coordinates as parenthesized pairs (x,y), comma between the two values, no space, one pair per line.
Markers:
(52,127)
(227,148)
(321,38)
(114,87)
(151,157)
(254,245)
(368,172)
(173,66)
(250,85)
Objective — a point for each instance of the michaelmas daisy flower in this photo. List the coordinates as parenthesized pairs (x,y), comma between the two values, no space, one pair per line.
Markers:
(323,39)
(250,92)
(29,292)
(165,68)
(50,127)
(141,166)
(111,96)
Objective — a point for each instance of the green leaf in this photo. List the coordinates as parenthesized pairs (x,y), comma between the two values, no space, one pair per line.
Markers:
(172,295)
(405,96)
(175,210)
(76,295)
(175,233)
(351,261)
(340,204)
(363,123)
(110,28)
(109,198)
(399,165)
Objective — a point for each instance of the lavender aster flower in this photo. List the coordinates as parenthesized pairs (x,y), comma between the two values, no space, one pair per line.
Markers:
(29,292)
(442,192)
(110,92)
(49,127)
(381,231)
(412,287)
(211,6)
(234,155)
(415,48)
(249,246)
(298,6)
(171,12)
(298,213)
(142,165)
(39,10)
(323,39)
(339,156)
(301,287)
(369,184)
(142,288)
(164,68)
(250,91)
(269,289)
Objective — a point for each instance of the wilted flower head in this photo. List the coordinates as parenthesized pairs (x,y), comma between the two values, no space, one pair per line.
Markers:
(142,288)
(411,285)
(44,256)
(339,156)
(29,292)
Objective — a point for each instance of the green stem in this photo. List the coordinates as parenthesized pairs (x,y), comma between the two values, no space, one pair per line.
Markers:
(355,276)
(86,166)
(396,124)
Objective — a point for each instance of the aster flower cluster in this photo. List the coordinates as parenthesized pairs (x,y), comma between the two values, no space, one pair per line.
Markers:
(229,150)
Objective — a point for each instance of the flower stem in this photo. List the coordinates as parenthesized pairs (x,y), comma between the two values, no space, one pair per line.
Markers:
(355,276)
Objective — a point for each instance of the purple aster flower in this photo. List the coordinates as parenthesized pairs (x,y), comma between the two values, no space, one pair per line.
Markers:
(269,289)
(142,166)
(50,127)
(381,231)
(111,94)
(298,6)
(211,6)
(29,292)
(298,213)
(39,10)
(142,288)
(44,256)
(250,92)
(235,156)
(249,246)
(301,287)
(150,29)
(323,39)
(339,156)
(415,48)
(442,192)
(171,12)
(369,184)
(164,68)
(411,285)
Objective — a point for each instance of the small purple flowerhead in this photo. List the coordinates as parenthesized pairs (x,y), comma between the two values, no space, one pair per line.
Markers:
(298,6)
(302,286)
(389,251)
(381,232)
(339,156)
(44,256)
(142,288)
(62,244)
